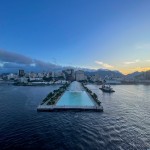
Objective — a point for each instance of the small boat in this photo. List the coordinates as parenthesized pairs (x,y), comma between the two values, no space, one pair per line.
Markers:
(106,88)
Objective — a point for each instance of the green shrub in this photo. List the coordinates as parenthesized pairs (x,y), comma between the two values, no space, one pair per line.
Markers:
(50,95)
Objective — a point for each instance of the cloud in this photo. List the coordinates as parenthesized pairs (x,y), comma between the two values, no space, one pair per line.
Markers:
(143,46)
(6,56)
(104,65)
(14,60)
(33,65)
(135,61)
(13,65)
(131,62)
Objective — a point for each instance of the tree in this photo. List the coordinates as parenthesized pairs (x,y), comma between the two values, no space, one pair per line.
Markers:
(50,95)
(94,95)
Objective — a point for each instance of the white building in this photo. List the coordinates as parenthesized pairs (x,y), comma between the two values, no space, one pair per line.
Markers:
(40,75)
(12,76)
(79,75)
(59,74)
(36,79)
(61,82)
(32,75)
(23,80)
(96,78)
(113,82)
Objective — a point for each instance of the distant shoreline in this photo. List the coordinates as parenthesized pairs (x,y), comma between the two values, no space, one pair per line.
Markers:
(47,84)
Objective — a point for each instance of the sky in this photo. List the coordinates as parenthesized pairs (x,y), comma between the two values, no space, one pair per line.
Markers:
(94,34)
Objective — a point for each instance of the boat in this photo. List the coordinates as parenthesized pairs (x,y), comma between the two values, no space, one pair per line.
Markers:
(106,88)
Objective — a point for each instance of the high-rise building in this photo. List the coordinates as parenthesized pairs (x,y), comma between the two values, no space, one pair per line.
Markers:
(79,75)
(69,74)
(21,73)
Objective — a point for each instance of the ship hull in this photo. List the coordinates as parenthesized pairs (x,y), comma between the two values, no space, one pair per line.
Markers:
(107,90)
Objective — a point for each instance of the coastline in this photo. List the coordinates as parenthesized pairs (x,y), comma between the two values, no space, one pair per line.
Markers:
(47,84)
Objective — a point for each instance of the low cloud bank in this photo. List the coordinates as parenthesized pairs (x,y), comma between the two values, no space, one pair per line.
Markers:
(10,61)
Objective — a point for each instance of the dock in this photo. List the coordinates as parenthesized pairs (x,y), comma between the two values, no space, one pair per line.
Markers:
(54,108)
(68,101)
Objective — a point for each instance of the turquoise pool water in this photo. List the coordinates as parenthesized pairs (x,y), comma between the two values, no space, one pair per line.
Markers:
(75,96)
(75,99)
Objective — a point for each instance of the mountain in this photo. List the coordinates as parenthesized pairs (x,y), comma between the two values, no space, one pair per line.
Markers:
(145,75)
(104,72)
(133,75)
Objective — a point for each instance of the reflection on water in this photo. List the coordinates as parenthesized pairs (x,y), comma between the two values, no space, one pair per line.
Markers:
(124,124)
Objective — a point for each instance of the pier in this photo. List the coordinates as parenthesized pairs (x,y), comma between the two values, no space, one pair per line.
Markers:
(75,98)
(54,108)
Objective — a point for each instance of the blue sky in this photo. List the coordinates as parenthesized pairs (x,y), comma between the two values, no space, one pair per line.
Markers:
(110,34)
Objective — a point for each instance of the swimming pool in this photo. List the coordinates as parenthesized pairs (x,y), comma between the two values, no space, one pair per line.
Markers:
(75,99)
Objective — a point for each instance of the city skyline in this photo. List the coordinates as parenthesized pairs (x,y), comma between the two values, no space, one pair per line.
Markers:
(108,34)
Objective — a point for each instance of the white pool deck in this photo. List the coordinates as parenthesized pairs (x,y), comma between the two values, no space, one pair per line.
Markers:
(64,108)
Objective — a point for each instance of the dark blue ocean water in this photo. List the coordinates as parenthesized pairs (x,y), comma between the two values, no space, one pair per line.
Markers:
(124,124)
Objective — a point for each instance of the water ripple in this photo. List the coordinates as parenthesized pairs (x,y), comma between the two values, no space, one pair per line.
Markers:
(124,124)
